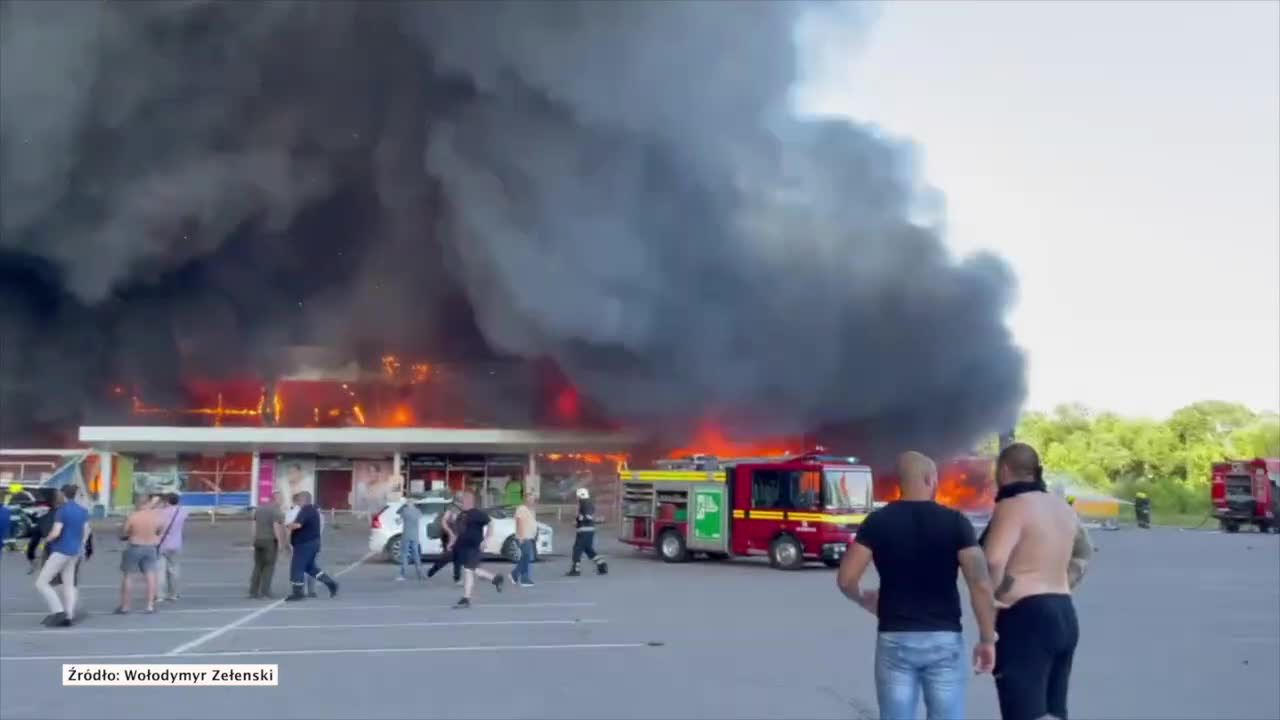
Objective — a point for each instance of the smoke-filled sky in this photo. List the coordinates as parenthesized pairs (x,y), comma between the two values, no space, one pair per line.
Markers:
(186,187)
(1131,186)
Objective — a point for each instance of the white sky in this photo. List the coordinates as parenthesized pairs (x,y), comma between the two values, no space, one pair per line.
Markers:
(1124,157)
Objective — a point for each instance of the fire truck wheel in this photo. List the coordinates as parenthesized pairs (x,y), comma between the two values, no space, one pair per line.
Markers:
(786,553)
(672,548)
(1231,527)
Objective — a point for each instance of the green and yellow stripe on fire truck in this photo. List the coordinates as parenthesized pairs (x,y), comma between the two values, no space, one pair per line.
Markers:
(826,518)
(811,517)
(672,476)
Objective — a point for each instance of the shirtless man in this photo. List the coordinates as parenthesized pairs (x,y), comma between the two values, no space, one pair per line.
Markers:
(142,531)
(1037,551)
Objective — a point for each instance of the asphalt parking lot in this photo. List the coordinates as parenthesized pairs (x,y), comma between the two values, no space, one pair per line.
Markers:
(1175,625)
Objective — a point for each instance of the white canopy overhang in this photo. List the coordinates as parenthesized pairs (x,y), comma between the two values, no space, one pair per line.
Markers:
(348,442)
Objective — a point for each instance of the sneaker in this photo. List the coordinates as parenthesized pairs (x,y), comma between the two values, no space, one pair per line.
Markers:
(399,578)
(463,603)
(49,619)
(527,583)
(120,611)
(61,621)
(497,582)
(457,583)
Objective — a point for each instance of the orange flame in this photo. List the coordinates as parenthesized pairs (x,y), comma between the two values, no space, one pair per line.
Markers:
(420,372)
(390,365)
(963,484)
(402,416)
(710,440)
(359,413)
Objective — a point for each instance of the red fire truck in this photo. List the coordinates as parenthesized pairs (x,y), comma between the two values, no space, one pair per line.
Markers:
(1245,492)
(792,509)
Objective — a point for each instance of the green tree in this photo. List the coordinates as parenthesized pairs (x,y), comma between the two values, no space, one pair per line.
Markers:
(1170,460)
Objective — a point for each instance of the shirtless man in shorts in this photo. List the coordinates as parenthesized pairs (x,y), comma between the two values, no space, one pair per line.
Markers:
(142,532)
(1037,551)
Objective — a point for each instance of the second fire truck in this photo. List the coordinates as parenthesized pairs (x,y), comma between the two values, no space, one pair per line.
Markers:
(791,510)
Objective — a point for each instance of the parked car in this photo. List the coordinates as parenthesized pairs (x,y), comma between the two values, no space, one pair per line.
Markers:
(386,528)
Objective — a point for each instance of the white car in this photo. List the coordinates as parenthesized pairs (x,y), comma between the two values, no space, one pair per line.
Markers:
(386,528)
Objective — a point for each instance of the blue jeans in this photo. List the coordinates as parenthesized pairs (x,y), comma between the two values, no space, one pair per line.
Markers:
(908,663)
(303,563)
(409,550)
(521,575)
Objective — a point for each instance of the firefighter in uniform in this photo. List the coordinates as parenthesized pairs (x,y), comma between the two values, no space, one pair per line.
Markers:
(1142,509)
(584,541)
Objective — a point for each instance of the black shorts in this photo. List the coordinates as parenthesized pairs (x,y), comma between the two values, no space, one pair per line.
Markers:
(469,556)
(1038,637)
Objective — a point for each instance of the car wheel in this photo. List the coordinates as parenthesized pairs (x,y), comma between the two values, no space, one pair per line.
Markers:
(786,554)
(511,550)
(392,551)
(672,548)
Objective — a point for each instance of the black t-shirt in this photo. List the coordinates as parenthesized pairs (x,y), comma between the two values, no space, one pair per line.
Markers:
(471,527)
(309,520)
(915,545)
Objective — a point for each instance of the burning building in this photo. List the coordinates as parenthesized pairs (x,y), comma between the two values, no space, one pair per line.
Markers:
(450,197)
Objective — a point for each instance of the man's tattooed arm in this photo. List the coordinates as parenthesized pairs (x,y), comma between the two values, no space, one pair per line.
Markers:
(1081,553)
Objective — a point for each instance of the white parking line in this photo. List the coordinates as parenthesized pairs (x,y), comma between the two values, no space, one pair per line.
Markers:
(325,606)
(333,651)
(327,626)
(185,647)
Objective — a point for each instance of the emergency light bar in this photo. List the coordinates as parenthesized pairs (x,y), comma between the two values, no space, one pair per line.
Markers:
(711,462)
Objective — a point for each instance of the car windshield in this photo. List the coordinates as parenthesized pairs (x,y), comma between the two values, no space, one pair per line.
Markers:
(846,489)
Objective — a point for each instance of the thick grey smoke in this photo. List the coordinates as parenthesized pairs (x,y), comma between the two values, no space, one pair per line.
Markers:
(189,186)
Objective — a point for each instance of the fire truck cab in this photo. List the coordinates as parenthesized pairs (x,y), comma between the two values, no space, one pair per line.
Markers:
(1245,492)
(792,510)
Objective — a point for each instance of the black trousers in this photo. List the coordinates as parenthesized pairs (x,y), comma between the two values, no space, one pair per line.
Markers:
(449,556)
(1038,637)
(584,543)
(32,544)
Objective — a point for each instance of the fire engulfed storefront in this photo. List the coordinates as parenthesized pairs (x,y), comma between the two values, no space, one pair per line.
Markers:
(354,468)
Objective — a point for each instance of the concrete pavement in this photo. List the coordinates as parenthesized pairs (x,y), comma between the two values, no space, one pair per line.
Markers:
(1175,625)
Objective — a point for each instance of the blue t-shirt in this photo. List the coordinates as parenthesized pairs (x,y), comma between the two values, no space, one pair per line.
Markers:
(4,523)
(74,518)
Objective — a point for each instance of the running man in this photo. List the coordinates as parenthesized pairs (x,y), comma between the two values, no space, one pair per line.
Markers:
(917,546)
(305,538)
(473,530)
(66,544)
(142,532)
(1037,550)
(448,524)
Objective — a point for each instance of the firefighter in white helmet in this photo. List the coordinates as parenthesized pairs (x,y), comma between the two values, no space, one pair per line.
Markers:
(584,541)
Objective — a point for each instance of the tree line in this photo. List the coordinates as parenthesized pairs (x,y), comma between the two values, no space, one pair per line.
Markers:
(1168,459)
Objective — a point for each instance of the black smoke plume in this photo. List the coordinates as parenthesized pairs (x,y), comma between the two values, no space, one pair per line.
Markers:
(188,186)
